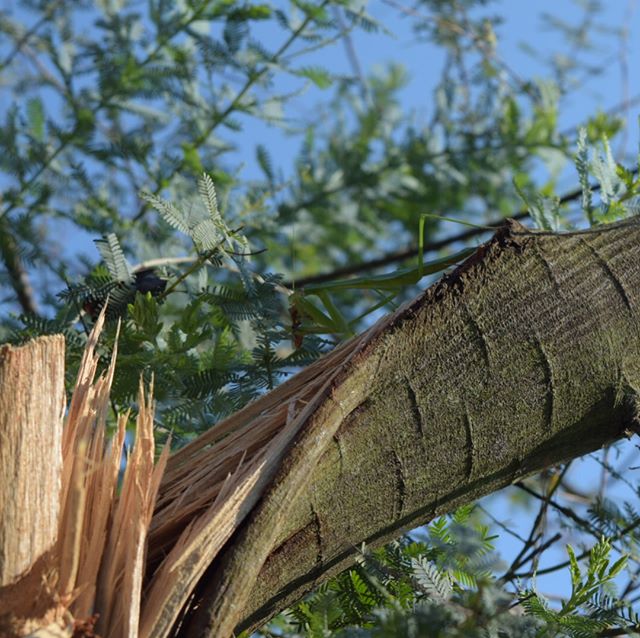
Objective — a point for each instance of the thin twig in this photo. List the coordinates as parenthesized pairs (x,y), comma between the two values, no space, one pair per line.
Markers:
(505,528)
(549,570)
(10,255)
(534,534)
(26,36)
(352,56)
(565,511)
(413,251)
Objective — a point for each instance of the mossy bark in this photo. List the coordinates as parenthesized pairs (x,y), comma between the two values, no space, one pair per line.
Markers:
(525,356)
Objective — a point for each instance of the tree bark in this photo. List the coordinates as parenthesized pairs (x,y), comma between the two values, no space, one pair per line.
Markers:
(527,355)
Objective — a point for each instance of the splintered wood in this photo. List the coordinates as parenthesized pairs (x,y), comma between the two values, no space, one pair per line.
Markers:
(93,556)
(126,545)
(133,559)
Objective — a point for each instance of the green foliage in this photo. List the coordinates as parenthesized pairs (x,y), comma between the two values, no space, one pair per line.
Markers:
(437,586)
(444,585)
(544,211)
(166,94)
(587,612)
(122,118)
(218,351)
(114,258)
(205,226)
(618,188)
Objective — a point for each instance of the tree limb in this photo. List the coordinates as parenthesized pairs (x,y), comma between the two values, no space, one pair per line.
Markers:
(526,355)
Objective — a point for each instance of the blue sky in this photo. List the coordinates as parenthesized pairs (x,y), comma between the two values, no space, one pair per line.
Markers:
(522,27)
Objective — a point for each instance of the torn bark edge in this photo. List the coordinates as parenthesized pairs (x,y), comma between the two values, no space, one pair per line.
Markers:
(512,235)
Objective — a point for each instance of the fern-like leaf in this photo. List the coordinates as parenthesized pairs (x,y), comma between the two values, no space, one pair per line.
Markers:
(209,197)
(111,252)
(431,580)
(172,215)
(582,165)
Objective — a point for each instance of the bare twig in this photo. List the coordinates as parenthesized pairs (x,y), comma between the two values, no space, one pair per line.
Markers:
(352,55)
(10,255)
(535,535)
(567,512)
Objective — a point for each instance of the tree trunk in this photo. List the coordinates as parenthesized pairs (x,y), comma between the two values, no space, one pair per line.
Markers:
(527,355)
(32,403)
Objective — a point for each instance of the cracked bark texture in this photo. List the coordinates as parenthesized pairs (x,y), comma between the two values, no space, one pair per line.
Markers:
(526,355)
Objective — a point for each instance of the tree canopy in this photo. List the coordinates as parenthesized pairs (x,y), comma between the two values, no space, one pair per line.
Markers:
(244,208)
